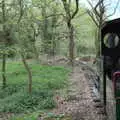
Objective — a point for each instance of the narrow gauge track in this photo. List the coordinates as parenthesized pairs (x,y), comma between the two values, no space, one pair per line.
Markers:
(94,83)
(92,77)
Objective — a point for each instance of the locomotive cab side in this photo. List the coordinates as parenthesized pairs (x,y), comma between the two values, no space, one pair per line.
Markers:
(110,51)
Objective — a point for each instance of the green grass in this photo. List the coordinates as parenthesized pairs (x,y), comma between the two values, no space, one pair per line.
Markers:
(30,116)
(46,79)
(45,115)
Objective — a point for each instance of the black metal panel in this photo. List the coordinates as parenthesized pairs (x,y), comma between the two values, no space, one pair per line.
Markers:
(110,27)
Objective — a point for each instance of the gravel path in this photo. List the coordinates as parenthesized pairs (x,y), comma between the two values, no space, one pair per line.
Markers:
(79,102)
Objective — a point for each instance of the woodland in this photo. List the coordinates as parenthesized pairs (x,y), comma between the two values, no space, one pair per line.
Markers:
(33,35)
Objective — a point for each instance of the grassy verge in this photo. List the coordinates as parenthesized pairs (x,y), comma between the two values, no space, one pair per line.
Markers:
(46,79)
(32,116)
(46,116)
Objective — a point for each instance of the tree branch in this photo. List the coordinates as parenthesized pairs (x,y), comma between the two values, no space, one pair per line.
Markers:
(92,16)
(115,9)
(66,7)
(76,10)
(21,11)
(3,11)
(94,10)
(100,1)
(53,15)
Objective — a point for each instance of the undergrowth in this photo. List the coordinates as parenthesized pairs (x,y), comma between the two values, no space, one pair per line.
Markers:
(44,115)
(46,79)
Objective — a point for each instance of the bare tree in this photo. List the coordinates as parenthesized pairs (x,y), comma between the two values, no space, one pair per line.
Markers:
(22,49)
(99,16)
(69,17)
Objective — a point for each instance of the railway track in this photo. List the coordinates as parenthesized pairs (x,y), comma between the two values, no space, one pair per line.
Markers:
(94,83)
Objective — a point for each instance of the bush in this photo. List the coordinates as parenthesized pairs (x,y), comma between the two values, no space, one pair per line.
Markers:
(22,102)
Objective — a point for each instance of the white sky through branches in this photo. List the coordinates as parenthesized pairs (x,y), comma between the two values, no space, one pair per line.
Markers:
(111,4)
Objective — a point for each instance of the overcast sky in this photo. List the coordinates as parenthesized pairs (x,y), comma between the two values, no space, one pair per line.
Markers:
(110,8)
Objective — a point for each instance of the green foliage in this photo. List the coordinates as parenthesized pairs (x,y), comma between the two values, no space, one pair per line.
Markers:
(53,116)
(47,116)
(42,30)
(85,34)
(46,79)
(22,102)
(30,116)
(9,90)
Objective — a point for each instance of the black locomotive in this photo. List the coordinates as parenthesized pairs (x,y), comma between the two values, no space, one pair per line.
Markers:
(110,51)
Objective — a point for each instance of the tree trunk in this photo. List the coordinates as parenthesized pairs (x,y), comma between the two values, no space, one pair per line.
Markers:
(34,46)
(4,56)
(36,52)
(4,70)
(29,73)
(71,43)
(97,43)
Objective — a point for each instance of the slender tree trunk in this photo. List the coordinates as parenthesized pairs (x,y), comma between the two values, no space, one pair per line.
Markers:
(4,70)
(71,43)
(97,43)
(45,25)
(70,16)
(34,47)
(36,52)
(33,44)
(29,73)
(4,56)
